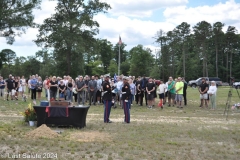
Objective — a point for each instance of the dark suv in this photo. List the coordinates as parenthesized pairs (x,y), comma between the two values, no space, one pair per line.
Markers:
(195,83)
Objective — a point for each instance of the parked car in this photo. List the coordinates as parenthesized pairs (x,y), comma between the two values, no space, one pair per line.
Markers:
(236,85)
(195,83)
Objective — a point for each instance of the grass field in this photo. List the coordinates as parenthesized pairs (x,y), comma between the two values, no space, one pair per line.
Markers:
(171,133)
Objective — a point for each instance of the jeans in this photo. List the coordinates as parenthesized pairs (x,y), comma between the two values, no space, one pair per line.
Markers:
(69,95)
(81,97)
(61,95)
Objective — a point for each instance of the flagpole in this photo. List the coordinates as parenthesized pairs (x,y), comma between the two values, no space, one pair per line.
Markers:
(119,60)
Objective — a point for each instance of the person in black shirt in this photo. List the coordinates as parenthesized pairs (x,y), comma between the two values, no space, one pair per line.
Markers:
(70,90)
(203,88)
(53,88)
(10,84)
(126,92)
(107,99)
(61,88)
(150,87)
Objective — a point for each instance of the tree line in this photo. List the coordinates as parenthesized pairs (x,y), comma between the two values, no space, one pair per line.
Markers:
(69,46)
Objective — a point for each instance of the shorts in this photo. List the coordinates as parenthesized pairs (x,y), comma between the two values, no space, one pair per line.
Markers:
(161,96)
(9,91)
(204,96)
(171,95)
(22,89)
(178,97)
(150,97)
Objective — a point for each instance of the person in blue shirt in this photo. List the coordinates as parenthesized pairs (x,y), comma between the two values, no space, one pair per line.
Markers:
(33,84)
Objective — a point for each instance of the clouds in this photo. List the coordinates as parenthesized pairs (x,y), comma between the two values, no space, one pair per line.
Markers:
(137,21)
(227,13)
(140,8)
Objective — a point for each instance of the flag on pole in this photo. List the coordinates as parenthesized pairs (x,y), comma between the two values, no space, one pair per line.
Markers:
(120,41)
(115,78)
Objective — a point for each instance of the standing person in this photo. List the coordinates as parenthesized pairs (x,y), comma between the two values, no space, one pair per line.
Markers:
(154,92)
(171,92)
(61,89)
(135,83)
(99,88)
(107,99)
(166,93)
(144,82)
(10,86)
(212,94)
(133,91)
(179,92)
(80,85)
(92,90)
(39,87)
(16,87)
(53,86)
(126,95)
(184,91)
(203,88)
(45,86)
(150,87)
(23,86)
(86,91)
(29,85)
(2,86)
(33,84)
(119,88)
(140,92)
(69,90)
(48,87)
(161,92)
(75,90)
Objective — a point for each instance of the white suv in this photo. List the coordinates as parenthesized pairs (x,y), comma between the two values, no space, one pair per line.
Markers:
(236,85)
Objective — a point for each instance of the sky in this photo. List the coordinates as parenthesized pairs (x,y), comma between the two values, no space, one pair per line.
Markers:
(138,21)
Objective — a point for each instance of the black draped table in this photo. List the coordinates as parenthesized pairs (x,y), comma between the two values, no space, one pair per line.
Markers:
(70,116)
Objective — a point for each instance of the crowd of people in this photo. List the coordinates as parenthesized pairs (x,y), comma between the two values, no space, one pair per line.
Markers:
(112,92)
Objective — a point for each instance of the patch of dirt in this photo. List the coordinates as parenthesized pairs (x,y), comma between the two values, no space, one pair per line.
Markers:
(90,136)
(42,131)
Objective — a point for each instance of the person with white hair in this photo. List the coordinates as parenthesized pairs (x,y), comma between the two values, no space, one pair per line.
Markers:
(212,94)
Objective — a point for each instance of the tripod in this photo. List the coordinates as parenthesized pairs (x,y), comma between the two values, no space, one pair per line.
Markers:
(229,100)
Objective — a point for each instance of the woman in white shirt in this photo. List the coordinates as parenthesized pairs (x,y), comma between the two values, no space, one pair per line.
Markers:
(212,94)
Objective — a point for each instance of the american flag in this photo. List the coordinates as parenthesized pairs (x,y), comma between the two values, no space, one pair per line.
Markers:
(120,41)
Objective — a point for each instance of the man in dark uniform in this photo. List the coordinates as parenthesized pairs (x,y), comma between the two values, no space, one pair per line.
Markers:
(107,99)
(126,92)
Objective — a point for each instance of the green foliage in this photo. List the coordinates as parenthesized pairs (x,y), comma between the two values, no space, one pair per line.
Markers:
(16,16)
(71,29)
(113,68)
(96,68)
(141,62)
